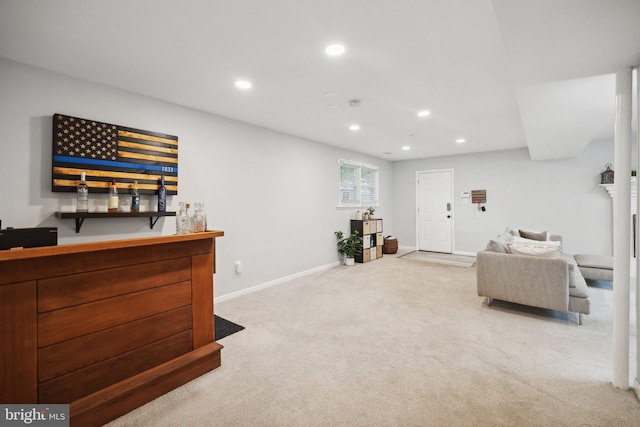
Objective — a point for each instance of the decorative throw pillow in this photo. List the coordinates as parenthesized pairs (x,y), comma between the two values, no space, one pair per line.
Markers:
(522,239)
(496,246)
(540,249)
(527,241)
(534,235)
(500,243)
(512,231)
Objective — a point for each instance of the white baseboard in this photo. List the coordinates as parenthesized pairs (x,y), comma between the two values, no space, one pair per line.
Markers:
(261,286)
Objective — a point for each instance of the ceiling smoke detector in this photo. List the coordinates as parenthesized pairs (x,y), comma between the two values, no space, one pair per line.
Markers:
(354,103)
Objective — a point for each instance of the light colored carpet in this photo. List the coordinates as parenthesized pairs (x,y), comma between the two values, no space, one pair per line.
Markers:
(401,343)
(438,258)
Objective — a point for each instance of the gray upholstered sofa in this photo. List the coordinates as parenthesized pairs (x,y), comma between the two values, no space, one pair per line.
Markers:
(547,281)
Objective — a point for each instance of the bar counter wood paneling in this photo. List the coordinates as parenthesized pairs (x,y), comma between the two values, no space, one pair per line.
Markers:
(106,326)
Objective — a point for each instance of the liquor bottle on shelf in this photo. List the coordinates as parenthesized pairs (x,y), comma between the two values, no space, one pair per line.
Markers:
(182,221)
(135,197)
(199,219)
(186,223)
(162,196)
(191,223)
(113,197)
(204,215)
(83,194)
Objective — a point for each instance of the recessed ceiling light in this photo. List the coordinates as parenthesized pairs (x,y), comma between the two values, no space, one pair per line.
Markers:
(461,140)
(243,84)
(406,147)
(354,127)
(423,113)
(334,50)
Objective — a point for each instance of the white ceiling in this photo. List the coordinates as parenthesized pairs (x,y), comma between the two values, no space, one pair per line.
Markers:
(502,74)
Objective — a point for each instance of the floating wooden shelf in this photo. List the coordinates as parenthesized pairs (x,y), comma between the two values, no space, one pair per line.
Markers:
(81,216)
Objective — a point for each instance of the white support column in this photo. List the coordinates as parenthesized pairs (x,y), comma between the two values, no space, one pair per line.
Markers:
(636,383)
(622,230)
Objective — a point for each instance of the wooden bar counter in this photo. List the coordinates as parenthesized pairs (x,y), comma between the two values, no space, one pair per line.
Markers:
(106,326)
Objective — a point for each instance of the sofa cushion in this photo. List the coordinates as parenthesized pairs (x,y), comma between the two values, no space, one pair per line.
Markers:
(527,233)
(568,257)
(572,281)
(529,241)
(513,231)
(495,246)
(535,248)
(500,243)
(577,284)
(597,273)
(595,261)
(534,235)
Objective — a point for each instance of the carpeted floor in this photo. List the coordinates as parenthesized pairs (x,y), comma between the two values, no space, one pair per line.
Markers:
(397,342)
(439,258)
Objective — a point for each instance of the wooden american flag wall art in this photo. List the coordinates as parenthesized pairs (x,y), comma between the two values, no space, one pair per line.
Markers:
(106,152)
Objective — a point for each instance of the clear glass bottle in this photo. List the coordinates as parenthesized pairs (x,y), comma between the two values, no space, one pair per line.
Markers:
(187,218)
(83,194)
(135,197)
(113,197)
(182,221)
(199,219)
(204,214)
(191,216)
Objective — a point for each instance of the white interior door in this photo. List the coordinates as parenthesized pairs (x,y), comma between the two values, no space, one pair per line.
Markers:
(435,211)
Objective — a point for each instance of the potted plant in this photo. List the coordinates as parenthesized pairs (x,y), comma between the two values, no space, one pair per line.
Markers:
(371,210)
(349,246)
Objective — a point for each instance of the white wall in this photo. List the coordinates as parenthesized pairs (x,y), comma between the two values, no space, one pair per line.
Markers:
(274,195)
(561,196)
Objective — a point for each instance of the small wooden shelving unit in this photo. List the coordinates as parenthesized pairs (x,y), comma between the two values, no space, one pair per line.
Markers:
(81,216)
(372,239)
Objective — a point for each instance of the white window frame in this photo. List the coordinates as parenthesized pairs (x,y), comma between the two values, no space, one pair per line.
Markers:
(357,201)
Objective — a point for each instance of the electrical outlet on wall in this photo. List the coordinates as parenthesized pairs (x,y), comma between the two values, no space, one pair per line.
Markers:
(238,267)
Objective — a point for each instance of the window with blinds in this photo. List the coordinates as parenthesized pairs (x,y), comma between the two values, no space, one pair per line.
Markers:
(358,184)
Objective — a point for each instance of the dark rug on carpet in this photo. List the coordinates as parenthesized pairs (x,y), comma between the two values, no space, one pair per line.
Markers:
(224,327)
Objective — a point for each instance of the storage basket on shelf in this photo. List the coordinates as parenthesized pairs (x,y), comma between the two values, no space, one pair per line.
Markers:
(390,245)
